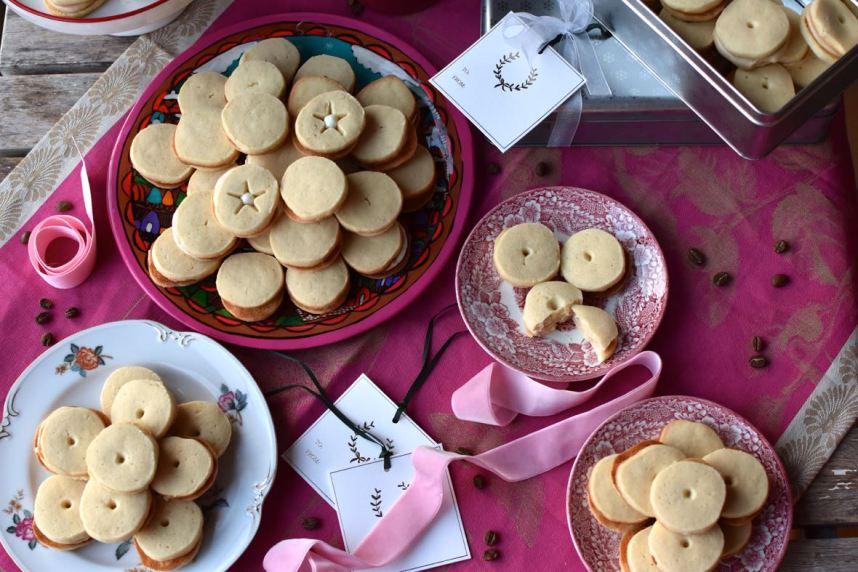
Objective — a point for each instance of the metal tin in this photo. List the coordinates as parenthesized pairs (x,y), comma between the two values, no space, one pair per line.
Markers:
(684,100)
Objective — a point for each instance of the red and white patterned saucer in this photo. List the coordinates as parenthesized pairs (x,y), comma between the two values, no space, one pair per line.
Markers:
(598,547)
(492,309)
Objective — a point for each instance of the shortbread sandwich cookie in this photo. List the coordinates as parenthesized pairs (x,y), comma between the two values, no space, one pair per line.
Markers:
(196,231)
(278,51)
(152,156)
(118,378)
(77,10)
(694,439)
(250,285)
(201,140)
(112,517)
(172,536)
(548,304)
(634,552)
(769,87)
(123,458)
(262,241)
(383,137)
(399,262)
(331,67)
(187,468)
(599,328)
(56,513)
(706,16)
(751,29)
(319,291)
(526,254)
(278,160)
(62,438)
(313,188)
(255,76)
(372,255)
(606,504)
(804,72)
(391,91)
(305,245)
(416,179)
(832,25)
(699,35)
(685,552)
(246,199)
(409,148)
(687,496)
(306,89)
(593,260)
(329,125)
(813,43)
(373,204)
(736,538)
(206,421)
(204,180)
(746,480)
(795,49)
(255,122)
(170,267)
(146,403)
(635,469)
(693,8)
(205,89)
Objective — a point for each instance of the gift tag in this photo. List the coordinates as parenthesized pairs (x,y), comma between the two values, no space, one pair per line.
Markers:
(365,492)
(501,90)
(329,444)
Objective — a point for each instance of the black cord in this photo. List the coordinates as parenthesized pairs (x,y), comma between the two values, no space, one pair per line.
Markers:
(603,34)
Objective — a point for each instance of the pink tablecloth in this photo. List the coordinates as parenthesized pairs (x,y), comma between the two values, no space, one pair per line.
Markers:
(732,209)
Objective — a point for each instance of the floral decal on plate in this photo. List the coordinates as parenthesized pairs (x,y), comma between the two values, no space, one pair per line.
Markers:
(232,402)
(82,359)
(22,520)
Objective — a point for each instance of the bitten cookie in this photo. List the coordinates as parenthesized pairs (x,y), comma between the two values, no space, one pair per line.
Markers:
(383,137)
(278,51)
(685,552)
(605,502)
(306,89)
(255,76)
(635,469)
(170,267)
(250,285)
(319,291)
(187,468)
(112,517)
(146,403)
(123,458)
(331,67)
(152,155)
(526,254)
(769,87)
(56,516)
(687,496)
(278,160)
(172,536)
(599,328)
(593,260)
(693,439)
(313,188)
(416,179)
(63,437)
(120,377)
(255,122)
(548,304)
(196,231)
(245,200)
(204,180)
(203,420)
(634,552)
(373,204)
(372,255)
(746,480)
(391,91)
(329,125)
(305,245)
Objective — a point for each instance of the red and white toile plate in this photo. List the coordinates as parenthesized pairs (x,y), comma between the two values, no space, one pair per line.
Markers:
(598,546)
(492,309)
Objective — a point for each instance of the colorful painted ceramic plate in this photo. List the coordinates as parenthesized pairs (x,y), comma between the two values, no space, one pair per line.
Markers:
(492,309)
(139,211)
(598,546)
(193,367)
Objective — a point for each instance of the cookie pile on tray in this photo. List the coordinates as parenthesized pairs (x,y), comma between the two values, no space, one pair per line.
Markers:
(129,471)
(769,50)
(282,155)
(591,261)
(683,502)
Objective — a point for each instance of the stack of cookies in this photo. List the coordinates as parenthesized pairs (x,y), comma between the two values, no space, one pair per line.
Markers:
(775,50)
(283,156)
(131,470)
(72,8)
(682,502)
(591,261)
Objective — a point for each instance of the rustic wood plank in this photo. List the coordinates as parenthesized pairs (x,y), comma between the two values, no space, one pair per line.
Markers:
(829,554)
(832,498)
(7,164)
(28,49)
(30,105)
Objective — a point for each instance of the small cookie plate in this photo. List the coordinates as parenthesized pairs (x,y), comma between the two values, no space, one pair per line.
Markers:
(492,309)
(193,367)
(598,547)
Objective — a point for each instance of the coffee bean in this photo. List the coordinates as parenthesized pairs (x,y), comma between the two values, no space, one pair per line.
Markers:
(48,339)
(310,523)
(721,279)
(780,280)
(758,362)
(72,313)
(25,237)
(781,246)
(479,481)
(757,344)
(542,169)
(46,304)
(491,554)
(491,538)
(43,318)
(696,257)
(64,206)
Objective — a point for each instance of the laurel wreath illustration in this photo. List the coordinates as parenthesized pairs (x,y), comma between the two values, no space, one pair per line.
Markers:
(353,447)
(507,86)
(375,503)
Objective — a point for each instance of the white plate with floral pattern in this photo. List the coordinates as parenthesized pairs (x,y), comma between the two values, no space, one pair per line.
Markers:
(492,309)
(193,367)
(598,546)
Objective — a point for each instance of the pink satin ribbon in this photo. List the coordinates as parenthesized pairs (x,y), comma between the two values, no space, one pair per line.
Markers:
(77,269)
(495,396)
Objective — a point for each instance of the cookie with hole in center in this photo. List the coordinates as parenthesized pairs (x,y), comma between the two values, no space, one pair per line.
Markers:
(329,125)
(246,200)
(548,304)
(172,536)
(62,438)
(123,458)
(56,516)
(250,285)
(751,29)
(146,403)
(526,254)
(319,290)
(769,87)
(833,25)
(634,552)
(255,76)
(593,260)
(278,51)
(206,421)
(255,122)
(687,496)
(635,469)
(373,204)
(746,480)
(112,517)
(119,377)
(187,468)
(170,267)
(331,67)
(685,552)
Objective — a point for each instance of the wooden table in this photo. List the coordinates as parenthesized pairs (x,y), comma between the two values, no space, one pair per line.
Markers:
(43,73)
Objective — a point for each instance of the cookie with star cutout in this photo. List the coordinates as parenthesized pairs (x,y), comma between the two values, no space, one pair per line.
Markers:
(329,125)
(246,200)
